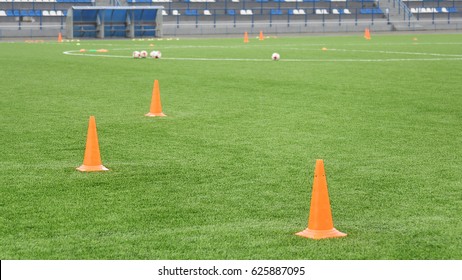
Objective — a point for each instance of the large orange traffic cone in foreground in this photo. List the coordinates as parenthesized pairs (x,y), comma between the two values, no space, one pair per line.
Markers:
(156,107)
(92,158)
(367,34)
(320,223)
(246,37)
(261,36)
(60,38)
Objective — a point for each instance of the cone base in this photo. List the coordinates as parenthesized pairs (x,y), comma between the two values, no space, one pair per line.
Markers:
(155,115)
(90,168)
(321,234)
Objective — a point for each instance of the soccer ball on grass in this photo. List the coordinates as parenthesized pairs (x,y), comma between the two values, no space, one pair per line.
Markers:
(275,56)
(156,54)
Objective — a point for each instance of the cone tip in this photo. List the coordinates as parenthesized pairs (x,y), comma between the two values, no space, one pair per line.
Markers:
(319,164)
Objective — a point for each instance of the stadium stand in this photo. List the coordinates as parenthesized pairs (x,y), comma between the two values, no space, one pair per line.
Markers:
(262,8)
(434,10)
(182,17)
(36,10)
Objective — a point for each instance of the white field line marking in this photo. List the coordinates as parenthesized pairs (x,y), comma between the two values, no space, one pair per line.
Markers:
(395,52)
(453,58)
(314,60)
(339,50)
(78,53)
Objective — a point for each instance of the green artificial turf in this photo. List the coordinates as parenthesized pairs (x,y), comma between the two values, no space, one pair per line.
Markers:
(228,173)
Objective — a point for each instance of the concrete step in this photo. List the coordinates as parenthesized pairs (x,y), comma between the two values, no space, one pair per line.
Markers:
(407,27)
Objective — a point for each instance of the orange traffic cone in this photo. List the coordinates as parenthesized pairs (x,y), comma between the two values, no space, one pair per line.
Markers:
(92,158)
(320,223)
(367,34)
(60,38)
(246,37)
(156,107)
(261,36)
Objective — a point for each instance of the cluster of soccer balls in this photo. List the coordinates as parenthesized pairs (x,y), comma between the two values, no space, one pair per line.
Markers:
(144,54)
(158,54)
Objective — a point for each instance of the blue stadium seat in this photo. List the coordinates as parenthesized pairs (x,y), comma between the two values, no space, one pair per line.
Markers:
(231,12)
(276,12)
(191,13)
(365,11)
(371,11)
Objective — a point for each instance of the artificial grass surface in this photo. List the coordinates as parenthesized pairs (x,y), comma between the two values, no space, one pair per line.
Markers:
(228,173)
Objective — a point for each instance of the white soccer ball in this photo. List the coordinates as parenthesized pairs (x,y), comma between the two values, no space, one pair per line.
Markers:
(143,54)
(136,54)
(156,54)
(275,56)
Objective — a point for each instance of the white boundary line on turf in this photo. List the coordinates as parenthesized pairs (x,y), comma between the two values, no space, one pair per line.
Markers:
(395,52)
(315,60)
(453,58)
(78,53)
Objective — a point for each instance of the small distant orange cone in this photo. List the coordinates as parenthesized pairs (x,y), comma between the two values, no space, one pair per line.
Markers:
(261,36)
(246,37)
(92,158)
(320,223)
(156,107)
(60,38)
(367,34)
